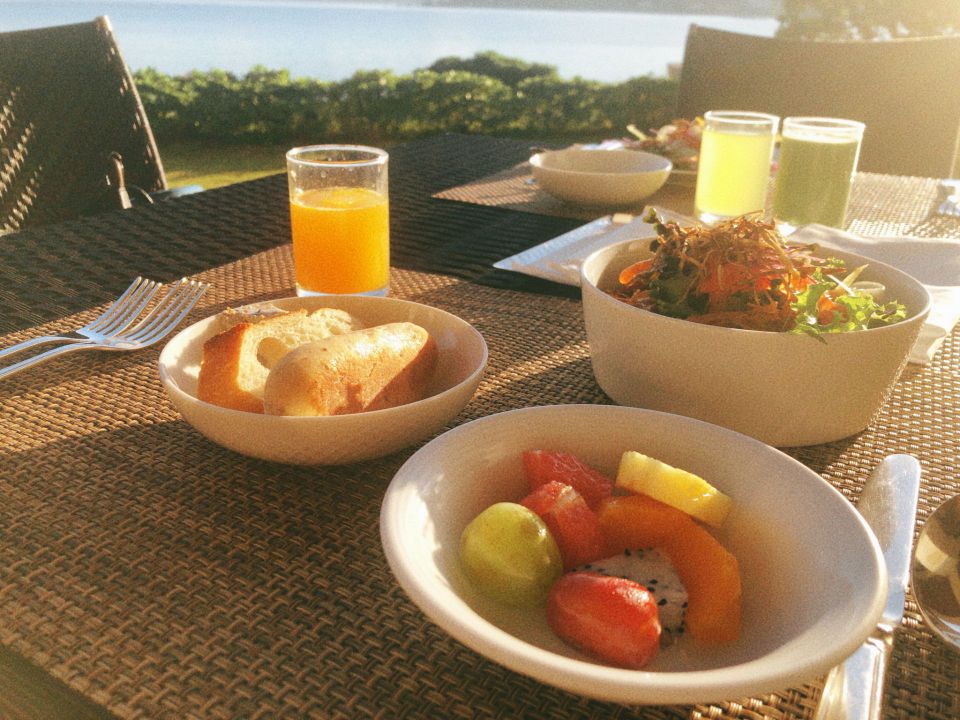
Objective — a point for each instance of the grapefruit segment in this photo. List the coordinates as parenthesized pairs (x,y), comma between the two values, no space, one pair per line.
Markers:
(571,522)
(544,466)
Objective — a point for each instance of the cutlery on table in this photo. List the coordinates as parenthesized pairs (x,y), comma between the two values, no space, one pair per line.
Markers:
(951,204)
(116,318)
(936,561)
(888,502)
(126,325)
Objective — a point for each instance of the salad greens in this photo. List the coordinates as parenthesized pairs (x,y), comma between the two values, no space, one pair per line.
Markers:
(741,274)
(679,141)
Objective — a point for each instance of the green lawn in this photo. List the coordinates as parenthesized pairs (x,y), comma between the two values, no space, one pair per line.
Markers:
(215,166)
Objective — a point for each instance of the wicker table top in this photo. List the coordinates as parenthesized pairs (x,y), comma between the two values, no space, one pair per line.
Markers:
(145,572)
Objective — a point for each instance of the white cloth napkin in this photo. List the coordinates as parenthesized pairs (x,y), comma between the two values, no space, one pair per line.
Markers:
(559,258)
(935,262)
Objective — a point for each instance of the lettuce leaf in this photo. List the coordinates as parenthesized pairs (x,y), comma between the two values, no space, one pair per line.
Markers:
(855,312)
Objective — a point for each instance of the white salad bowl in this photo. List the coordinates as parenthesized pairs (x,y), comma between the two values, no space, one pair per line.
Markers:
(340,439)
(809,597)
(784,389)
(606,178)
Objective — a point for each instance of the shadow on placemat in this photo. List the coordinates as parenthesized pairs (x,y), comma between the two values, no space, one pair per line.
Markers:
(27,692)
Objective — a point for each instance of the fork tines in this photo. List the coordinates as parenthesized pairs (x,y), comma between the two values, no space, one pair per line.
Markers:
(166,314)
(126,308)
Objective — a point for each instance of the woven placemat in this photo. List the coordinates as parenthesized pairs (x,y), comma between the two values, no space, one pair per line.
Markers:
(515,189)
(165,577)
(880,205)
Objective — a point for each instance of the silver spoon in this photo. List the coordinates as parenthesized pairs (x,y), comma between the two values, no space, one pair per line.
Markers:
(936,571)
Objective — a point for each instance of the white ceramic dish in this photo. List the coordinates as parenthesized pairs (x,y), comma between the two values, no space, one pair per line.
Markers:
(786,390)
(810,597)
(342,438)
(605,178)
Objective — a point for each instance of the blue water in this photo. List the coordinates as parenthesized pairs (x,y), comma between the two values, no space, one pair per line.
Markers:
(331,41)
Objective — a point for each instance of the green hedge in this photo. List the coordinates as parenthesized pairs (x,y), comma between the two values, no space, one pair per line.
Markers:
(487,94)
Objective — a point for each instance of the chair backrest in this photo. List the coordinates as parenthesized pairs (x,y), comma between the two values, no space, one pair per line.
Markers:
(67,102)
(907,91)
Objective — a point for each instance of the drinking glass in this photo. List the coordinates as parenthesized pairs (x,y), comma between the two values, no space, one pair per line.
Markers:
(339,219)
(733,173)
(818,157)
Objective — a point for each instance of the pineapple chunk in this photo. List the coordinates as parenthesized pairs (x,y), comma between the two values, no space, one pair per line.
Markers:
(678,488)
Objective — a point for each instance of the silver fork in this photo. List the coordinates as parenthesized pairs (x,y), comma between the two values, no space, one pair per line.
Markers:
(127,330)
(951,204)
(116,318)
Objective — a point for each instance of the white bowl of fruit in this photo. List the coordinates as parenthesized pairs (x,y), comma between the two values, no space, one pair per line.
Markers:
(519,535)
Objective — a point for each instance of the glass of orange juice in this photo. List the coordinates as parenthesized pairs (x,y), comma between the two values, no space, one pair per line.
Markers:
(339,219)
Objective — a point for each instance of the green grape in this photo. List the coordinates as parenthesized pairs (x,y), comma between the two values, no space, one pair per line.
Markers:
(509,554)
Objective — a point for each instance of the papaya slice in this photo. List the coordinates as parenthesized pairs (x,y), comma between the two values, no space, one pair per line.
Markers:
(638,521)
(708,571)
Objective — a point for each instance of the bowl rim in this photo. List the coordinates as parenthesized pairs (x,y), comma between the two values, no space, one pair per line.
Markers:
(663,163)
(172,386)
(600,681)
(614,249)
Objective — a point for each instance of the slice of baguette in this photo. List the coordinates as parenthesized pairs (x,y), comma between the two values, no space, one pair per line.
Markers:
(371,369)
(236,362)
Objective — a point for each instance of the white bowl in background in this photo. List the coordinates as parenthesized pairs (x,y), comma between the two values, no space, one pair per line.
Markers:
(340,439)
(784,389)
(810,597)
(600,177)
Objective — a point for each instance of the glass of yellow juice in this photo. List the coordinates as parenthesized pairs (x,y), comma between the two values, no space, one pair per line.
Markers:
(733,171)
(818,158)
(339,219)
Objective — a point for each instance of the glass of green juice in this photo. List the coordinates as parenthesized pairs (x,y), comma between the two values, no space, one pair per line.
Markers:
(818,157)
(733,171)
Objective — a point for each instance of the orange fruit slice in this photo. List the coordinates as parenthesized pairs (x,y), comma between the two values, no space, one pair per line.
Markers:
(708,571)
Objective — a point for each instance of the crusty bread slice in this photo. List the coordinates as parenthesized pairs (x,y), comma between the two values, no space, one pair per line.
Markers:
(371,369)
(236,362)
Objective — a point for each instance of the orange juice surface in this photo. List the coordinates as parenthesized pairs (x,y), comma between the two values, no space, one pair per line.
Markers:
(341,239)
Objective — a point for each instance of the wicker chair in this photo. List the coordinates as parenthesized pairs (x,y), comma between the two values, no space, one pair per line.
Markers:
(906,91)
(72,126)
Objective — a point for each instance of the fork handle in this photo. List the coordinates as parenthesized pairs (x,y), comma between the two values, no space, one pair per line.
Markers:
(43,357)
(42,340)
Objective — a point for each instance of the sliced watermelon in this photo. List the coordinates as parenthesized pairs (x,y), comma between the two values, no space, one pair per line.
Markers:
(612,619)
(572,523)
(652,569)
(544,466)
